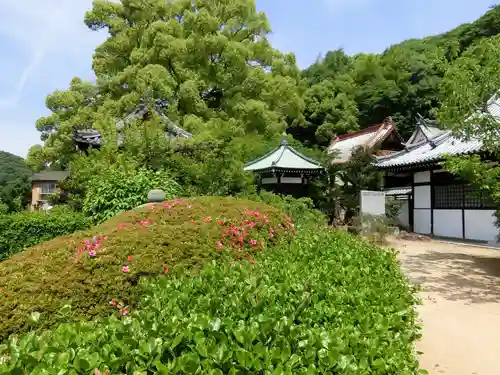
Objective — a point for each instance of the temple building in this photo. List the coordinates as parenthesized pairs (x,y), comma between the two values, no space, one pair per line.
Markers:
(438,203)
(284,170)
(90,137)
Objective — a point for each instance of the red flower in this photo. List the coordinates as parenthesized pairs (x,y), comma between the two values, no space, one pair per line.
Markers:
(252,261)
(165,271)
(129,258)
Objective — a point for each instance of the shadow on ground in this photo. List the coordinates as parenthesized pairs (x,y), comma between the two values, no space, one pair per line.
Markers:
(456,276)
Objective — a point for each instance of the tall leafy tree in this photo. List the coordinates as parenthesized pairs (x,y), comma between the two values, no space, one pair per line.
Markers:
(470,82)
(210,60)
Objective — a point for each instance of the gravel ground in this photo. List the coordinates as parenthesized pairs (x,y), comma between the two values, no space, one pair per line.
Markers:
(461,305)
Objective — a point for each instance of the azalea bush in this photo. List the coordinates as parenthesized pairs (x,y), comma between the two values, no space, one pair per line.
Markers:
(301,210)
(89,269)
(21,230)
(326,303)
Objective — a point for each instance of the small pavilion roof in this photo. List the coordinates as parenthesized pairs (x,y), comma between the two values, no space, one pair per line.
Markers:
(284,158)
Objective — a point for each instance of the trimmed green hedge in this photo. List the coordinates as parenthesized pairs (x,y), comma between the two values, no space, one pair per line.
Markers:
(328,303)
(21,230)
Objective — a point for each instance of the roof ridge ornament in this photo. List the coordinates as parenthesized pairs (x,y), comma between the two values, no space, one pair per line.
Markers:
(284,142)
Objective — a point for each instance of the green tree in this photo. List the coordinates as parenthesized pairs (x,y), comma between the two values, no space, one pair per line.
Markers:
(470,109)
(210,61)
(14,182)
(340,188)
(468,85)
(329,110)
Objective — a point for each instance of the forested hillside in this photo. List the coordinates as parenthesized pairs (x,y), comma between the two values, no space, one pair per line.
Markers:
(349,92)
(14,180)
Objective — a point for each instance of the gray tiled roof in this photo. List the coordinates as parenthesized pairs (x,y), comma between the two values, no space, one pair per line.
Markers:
(50,176)
(398,191)
(434,151)
(428,144)
(283,158)
(93,137)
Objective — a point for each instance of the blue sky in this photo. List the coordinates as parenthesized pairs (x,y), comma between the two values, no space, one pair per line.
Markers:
(44,43)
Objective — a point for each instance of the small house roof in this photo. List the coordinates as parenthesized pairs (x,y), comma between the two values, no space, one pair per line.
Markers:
(56,176)
(92,136)
(370,137)
(284,158)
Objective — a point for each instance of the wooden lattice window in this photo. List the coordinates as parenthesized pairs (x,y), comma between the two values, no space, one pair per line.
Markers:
(448,196)
(458,196)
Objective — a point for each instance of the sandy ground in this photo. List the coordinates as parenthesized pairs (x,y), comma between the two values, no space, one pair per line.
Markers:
(461,305)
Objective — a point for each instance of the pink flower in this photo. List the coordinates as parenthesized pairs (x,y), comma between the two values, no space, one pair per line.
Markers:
(112,302)
(165,271)
(208,220)
(253,242)
(92,253)
(124,311)
(145,222)
(125,269)
(219,245)
(86,242)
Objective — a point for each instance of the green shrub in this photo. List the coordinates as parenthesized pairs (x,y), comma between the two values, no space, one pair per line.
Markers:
(329,303)
(19,231)
(176,235)
(117,190)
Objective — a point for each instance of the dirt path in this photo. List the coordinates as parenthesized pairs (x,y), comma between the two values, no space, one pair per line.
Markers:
(461,305)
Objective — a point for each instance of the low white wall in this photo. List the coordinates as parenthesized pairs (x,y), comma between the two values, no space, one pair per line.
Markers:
(403,218)
(448,223)
(422,221)
(422,197)
(480,225)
